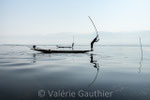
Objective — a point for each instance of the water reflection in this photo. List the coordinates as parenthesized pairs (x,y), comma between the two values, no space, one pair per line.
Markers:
(141,59)
(92,61)
(34,58)
(140,63)
(96,65)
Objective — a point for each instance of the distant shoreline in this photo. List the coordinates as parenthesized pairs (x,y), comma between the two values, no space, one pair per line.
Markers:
(127,45)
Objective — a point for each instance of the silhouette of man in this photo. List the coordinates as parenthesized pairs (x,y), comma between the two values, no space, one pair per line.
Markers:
(72,46)
(95,40)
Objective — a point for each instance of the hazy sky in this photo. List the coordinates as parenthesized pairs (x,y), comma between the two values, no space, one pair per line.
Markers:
(22,18)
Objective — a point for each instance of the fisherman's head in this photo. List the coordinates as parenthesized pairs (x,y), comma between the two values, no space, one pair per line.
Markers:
(34,46)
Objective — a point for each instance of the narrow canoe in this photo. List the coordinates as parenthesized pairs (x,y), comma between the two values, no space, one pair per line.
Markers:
(60,51)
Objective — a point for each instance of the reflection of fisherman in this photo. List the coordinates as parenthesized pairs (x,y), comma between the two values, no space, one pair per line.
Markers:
(34,58)
(95,40)
(96,65)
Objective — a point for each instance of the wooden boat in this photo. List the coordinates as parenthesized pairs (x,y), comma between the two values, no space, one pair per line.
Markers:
(70,51)
(60,51)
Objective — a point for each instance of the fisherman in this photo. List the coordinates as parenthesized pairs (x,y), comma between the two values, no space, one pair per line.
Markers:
(96,39)
(72,46)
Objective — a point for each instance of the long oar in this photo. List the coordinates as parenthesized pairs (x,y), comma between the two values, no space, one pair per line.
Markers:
(96,39)
(93,25)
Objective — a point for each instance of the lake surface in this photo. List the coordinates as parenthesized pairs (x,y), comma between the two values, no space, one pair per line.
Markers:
(111,72)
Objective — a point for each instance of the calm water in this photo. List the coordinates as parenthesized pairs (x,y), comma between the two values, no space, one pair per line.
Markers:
(30,75)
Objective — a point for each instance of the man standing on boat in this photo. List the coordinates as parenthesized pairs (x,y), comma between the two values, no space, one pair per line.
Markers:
(96,39)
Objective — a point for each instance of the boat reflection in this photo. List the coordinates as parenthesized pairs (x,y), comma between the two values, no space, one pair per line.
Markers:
(92,61)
